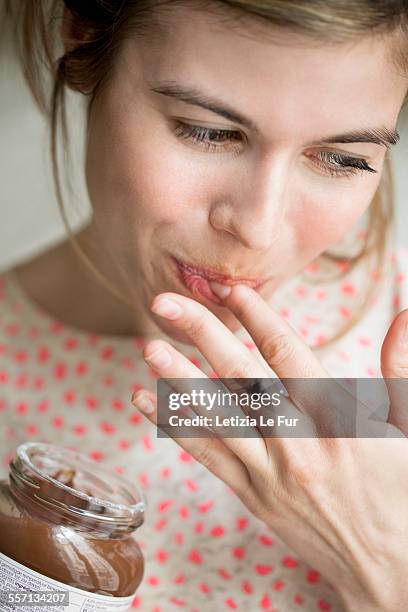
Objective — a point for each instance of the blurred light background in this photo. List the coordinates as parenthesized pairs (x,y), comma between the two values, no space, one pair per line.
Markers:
(29,211)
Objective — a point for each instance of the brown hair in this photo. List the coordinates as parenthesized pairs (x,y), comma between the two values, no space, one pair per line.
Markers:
(99,26)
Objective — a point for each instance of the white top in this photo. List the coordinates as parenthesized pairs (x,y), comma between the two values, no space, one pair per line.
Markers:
(204,550)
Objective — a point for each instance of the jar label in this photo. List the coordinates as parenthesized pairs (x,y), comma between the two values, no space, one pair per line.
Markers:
(16,578)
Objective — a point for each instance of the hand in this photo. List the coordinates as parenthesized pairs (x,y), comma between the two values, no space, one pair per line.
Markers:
(339,503)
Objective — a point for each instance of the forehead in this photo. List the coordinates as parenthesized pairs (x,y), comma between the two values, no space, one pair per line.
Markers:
(283,81)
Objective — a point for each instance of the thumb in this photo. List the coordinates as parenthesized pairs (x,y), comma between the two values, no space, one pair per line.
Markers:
(394,368)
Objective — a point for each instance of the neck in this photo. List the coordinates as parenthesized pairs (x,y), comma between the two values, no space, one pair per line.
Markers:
(64,287)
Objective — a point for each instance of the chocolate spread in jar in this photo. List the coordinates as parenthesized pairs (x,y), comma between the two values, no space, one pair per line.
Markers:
(70,520)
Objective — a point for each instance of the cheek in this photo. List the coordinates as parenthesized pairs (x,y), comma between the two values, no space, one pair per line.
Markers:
(137,170)
(140,179)
(323,218)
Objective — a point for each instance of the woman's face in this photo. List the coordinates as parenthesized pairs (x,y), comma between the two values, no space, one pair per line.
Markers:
(259,192)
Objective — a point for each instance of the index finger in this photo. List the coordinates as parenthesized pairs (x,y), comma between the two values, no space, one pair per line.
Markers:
(280,345)
(284,352)
(335,410)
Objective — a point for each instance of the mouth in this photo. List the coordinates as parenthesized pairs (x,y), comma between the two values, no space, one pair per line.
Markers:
(196,279)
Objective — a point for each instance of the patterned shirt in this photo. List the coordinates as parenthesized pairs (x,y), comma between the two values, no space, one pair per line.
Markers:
(204,551)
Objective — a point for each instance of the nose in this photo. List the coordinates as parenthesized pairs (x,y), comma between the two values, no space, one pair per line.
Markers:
(252,207)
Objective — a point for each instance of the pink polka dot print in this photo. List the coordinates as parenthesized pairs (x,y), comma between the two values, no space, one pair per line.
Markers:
(204,550)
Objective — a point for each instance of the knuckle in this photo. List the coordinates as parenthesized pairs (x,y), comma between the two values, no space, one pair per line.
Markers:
(276,350)
(196,328)
(400,369)
(243,369)
(298,471)
(205,455)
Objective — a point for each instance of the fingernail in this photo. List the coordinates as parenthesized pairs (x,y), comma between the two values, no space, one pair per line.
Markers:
(167,308)
(159,358)
(221,290)
(143,403)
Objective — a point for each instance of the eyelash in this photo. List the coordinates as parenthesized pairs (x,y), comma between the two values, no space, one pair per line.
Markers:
(346,165)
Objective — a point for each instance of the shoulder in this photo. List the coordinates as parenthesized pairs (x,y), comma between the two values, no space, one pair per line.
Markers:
(7,285)
(401,253)
(13,306)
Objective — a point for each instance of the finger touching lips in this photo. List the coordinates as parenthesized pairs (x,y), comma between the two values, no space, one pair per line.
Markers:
(281,347)
(227,355)
(283,351)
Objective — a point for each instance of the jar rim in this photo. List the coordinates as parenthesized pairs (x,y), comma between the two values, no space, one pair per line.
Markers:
(25,471)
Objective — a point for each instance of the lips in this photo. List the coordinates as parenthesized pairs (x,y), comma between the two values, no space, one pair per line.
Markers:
(211,275)
(197,280)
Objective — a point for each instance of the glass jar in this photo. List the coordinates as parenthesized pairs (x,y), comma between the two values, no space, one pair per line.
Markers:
(65,517)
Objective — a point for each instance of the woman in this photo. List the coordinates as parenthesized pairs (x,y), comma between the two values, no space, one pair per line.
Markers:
(228,142)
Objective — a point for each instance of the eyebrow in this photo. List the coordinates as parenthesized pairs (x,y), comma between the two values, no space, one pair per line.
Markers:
(382,136)
(190,95)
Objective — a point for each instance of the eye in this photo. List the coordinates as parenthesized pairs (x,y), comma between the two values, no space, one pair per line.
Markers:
(211,139)
(215,139)
(337,164)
